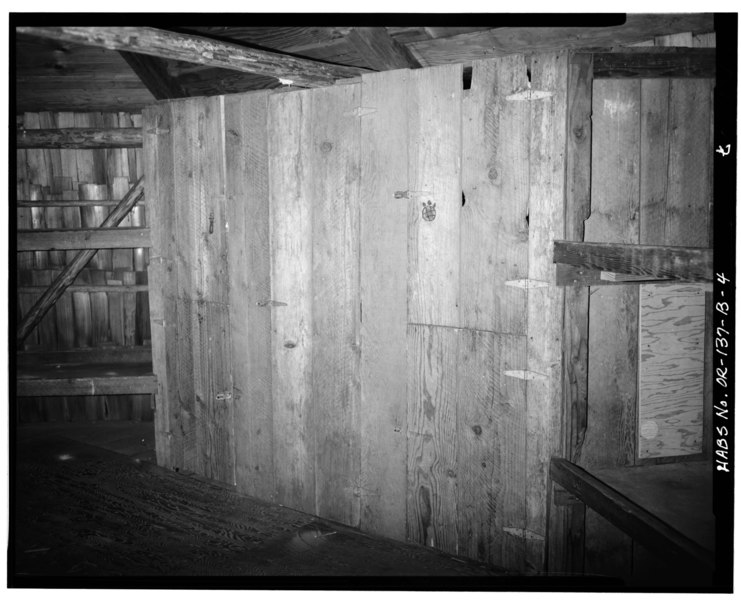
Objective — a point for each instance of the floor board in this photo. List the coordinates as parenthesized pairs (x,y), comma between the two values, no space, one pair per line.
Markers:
(81,510)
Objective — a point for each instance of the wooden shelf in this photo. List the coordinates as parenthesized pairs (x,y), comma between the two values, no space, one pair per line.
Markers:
(67,377)
(667,507)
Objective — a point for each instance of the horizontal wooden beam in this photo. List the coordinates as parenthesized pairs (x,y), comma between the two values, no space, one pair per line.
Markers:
(83,239)
(666,263)
(80,138)
(195,49)
(67,203)
(153,74)
(85,356)
(641,525)
(647,62)
(87,386)
(113,289)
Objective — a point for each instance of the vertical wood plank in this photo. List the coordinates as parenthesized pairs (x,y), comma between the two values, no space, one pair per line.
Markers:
(334,163)
(245,121)
(490,447)
(431,494)
(210,294)
(613,311)
(383,299)
(435,178)
(292,327)
(493,221)
(544,304)
(613,320)
(160,193)
(566,524)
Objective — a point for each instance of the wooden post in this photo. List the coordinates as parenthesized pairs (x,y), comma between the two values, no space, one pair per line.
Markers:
(68,274)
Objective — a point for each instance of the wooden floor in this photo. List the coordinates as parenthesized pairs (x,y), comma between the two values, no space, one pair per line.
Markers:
(90,502)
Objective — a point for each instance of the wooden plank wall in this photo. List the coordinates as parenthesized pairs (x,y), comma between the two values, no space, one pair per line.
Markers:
(82,319)
(388,370)
(650,185)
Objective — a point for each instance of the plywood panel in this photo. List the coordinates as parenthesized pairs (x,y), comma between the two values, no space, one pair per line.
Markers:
(544,302)
(292,327)
(383,297)
(671,370)
(493,221)
(431,493)
(435,183)
(334,166)
(490,447)
(245,121)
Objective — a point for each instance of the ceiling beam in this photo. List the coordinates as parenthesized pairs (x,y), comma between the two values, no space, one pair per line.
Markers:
(153,74)
(528,40)
(291,70)
(380,50)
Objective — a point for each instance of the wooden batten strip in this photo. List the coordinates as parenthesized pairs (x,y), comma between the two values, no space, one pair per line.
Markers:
(659,262)
(84,239)
(194,49)
(79,138)
(69,203)
(73,268)
(35,289)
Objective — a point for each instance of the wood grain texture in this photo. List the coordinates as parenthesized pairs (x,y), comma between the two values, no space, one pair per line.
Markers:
(670,410)
(195,49)
(544,304)
(159,172)
(613,310)
(513,40)
(565,535)
(676,209)
(383,297)
(613,333)
(245,121)
(291,277)
(435,178)
(381,51)
(333,162)
(432,427)
(490,447)
(493,221)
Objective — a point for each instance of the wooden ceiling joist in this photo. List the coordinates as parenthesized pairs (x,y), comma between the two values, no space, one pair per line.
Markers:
(152,72)
(291,70)
(516,40)
(382,52)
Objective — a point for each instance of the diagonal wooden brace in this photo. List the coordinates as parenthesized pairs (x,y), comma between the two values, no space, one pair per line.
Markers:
(73,268)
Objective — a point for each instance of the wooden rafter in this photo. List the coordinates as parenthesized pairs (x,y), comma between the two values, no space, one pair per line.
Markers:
(153,74)
(380,50)
(190,48)
(73,268)
(652,62)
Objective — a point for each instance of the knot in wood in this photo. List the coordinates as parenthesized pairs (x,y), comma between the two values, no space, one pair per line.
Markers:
(326,147)
(477,429)
(493,174)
